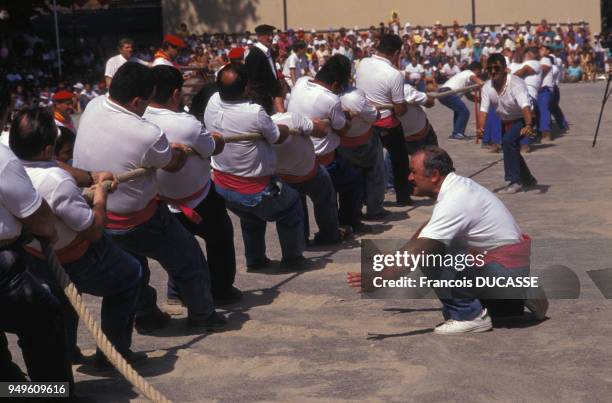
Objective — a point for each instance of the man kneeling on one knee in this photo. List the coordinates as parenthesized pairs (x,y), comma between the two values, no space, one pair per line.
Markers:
(466,217)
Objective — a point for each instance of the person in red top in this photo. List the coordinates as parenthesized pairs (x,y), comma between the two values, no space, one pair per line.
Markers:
(62,109)
(236,55)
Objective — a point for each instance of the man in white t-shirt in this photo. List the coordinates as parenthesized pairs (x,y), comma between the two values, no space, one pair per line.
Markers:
(509,95)
(381,81)
(296,64)
(126,52)
(363,149)
(243,172)
(113,136)
(450,68)
(461,113)
(319,99)
(467,220)
(555,107)
(190,192)
(415,73)
(28,309)
(91,259)
(531,72)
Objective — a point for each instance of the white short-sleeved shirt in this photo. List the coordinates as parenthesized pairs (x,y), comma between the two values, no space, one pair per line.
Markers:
(514,67)
(317,102)
(113,64)
(533,81)
(183,128)
(355,100)
(249,159)
(64,197)
(510,102)
(415,73)
(294,62)
(467,212)
(459,80)
(111,138)
(295,156)
(381,82)
(18,198)
(160,61)
(415,118)
(449,71)
(556,75)
(547,79)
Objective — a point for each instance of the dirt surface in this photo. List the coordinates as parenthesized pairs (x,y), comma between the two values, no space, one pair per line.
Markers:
(307,337)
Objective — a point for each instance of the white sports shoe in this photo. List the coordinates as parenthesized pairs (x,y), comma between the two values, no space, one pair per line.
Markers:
(481,323)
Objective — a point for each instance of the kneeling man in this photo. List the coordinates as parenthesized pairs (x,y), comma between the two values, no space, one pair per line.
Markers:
(466,217)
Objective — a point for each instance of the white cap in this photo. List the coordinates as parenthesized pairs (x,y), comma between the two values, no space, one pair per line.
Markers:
(466,33)
(249,42)
(436,43)
(427,61)
(486,29)
(505,32)
(477,41)
(313,31)
(78,86)
(557,38)
(351,32)
(437,22)
(407,25)
(511,28)
(503,26)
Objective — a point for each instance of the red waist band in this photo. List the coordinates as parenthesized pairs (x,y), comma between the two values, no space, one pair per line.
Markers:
(356,141)
(387,123)
(513,256)
(241,184)
(68,254)
(326,159)
(299,179)
(189,213)
(131,220)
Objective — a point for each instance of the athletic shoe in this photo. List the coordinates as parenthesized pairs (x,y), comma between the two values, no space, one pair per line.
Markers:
(511,189)
(538,307)
(457,136)
(481,323)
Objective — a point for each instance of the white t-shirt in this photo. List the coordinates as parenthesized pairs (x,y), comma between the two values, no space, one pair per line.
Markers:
(251,158)
(467,212)
(111,138)
(548,79)
(315,101)
(113,64)
(64,197)
(18,198)
(183,128)
(160,61)
(415,118)
(556,75)
(355,100)
(294,62)
(449,71)
(459,80)
(533,81)
(415,73)
(510,103)
(294,156)
(514,67)
(381,82)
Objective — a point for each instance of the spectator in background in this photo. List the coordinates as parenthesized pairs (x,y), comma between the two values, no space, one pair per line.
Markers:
(574,72)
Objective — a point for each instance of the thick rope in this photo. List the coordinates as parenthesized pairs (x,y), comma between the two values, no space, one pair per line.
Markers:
(101,340)
(435,95)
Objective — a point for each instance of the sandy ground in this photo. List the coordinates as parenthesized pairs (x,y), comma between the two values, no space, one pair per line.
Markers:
(306,337)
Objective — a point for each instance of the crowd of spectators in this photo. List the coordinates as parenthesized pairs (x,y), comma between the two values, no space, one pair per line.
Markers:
(429,53)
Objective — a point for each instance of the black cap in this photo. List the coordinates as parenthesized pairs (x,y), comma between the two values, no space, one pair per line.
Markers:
(264,29)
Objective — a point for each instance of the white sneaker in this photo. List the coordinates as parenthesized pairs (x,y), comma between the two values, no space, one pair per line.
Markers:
(511,189)
(481,323)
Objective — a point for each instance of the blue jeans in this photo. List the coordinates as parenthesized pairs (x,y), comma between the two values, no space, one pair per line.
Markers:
(493,128)
(165,239)
(555,109)
(278,203)
(104,271)
(544,101)
(349,185)
(465,303)
(461,113)
(370,160)
(515,167)
(321,191)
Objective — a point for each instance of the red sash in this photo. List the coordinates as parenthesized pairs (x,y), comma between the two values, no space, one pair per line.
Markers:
(387,123)
(351,142)
(513,256)
(131,220)
(68,254)
(190,213)
(299,179)
(326,159)
(241,184)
